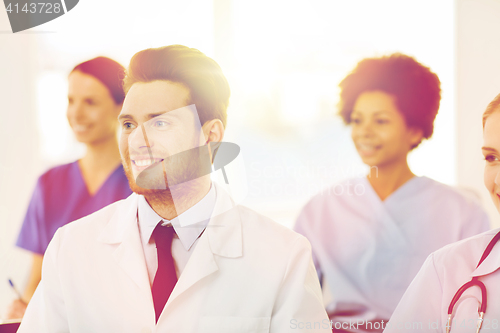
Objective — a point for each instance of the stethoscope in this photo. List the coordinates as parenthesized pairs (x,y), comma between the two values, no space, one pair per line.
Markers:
(474,282)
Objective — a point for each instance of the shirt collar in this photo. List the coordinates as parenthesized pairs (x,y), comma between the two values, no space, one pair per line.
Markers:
(492,261)
(198,215)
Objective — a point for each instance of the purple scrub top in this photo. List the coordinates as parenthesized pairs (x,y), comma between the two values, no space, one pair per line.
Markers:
(61,196)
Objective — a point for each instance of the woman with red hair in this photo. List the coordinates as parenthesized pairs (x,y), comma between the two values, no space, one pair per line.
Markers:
(71,191)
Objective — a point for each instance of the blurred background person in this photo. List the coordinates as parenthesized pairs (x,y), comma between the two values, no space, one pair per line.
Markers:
(370,235)
(68,192)
(449,282)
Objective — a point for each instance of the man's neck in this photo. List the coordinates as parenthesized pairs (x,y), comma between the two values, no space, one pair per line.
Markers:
(176,200)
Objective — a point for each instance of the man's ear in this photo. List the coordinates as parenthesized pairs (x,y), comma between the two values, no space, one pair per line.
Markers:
(213,131)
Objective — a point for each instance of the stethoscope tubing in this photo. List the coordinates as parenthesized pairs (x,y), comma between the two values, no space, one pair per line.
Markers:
(474,282)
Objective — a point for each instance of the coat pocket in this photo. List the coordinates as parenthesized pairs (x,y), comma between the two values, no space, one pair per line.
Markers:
(234,325)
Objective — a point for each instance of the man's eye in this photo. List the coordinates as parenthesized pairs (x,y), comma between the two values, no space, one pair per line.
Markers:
(356,121)
(160,123)
(127,125)
(382,121)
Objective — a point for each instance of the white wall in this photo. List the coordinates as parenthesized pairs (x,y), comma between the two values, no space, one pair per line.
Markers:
(478,82)
(19,158)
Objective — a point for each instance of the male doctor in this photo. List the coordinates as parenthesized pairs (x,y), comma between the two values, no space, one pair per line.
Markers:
(177,255)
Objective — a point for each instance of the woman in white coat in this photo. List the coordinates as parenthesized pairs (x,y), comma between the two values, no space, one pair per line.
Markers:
(433,302)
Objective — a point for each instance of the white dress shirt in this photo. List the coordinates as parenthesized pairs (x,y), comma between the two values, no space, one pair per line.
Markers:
(185,238)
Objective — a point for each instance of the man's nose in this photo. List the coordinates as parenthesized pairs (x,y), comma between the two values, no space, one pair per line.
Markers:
(139,139)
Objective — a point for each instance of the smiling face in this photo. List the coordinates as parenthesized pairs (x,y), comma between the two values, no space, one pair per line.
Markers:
(379,130)
(491,152)
(157,123)
(91,110)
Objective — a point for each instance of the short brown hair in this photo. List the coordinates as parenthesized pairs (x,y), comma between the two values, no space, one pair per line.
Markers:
(207,85)
(416,88)
(491,108)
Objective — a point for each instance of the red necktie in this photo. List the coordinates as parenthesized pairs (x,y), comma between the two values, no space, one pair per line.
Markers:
(165,278)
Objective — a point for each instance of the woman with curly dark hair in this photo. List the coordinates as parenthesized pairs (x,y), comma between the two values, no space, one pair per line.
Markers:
(371,235)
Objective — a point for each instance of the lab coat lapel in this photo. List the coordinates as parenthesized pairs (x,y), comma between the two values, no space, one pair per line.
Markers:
(222,237)
(200,265)
(491,263)
(123,232)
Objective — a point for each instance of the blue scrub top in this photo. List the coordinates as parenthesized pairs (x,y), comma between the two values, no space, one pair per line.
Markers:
(61,196)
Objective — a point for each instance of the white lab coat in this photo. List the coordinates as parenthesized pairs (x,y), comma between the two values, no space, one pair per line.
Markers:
(246,274)
(424,306)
